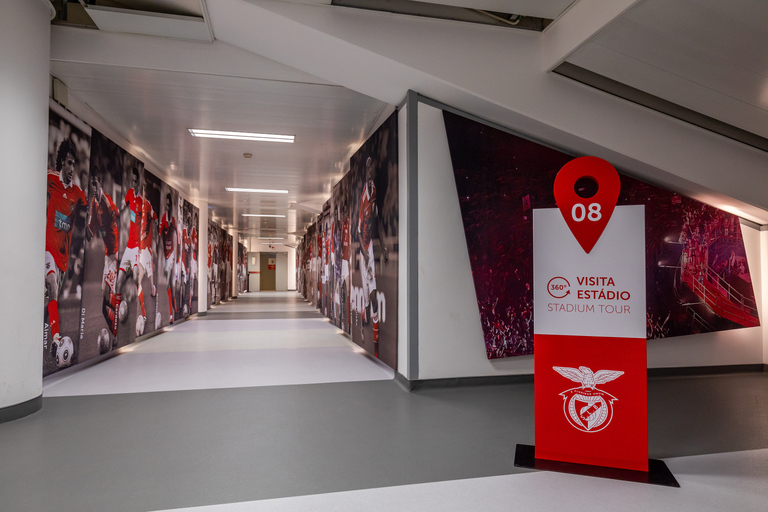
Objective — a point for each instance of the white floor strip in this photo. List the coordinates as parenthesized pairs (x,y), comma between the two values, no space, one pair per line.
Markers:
(174,371)
(726,481)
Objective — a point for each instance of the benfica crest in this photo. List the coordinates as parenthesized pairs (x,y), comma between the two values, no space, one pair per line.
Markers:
(587,408)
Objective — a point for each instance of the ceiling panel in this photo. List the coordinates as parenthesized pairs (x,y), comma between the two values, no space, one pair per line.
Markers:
(153,109)
(705,55)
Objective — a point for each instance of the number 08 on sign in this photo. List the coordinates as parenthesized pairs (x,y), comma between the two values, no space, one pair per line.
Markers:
(589,334)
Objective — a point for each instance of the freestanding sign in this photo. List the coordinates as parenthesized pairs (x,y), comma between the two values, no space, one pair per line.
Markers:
(589,333)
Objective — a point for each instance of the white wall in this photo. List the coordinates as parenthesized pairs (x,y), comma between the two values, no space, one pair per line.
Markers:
(202,257)
(450,334)
(402,271)
(291,268)
(281,272)
(24,82)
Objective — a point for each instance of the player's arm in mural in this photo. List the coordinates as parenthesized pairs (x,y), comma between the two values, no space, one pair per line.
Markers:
(65,201)
(365,224)
(103,217)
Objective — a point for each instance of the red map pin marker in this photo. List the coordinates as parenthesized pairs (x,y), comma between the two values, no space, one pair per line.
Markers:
(586,191)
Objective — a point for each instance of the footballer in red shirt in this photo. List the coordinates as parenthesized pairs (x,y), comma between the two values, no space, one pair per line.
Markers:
(65,200)
(103,217)
(129,264)
(170,239)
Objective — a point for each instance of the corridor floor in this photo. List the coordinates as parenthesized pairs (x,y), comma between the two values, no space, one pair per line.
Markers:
(262,405)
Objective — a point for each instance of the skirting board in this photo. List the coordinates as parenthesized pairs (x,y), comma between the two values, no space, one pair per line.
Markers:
(683,371)
(14,412)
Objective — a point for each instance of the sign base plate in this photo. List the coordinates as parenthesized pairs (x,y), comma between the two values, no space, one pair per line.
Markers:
(658,472)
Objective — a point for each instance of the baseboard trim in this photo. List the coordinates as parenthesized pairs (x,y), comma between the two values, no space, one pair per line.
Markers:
(693,371)
(492,380)
(15,412)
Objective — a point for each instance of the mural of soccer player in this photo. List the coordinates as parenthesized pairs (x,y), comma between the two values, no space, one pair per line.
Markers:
(345,242)
(367,216)
(170,240)
(187,277)
(149,222)
(336,263)
(193,247)
(66,202)
(373,200)
(103,222)
(99,316)
(129,262)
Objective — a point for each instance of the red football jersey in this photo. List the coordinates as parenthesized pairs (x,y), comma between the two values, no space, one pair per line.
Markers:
(135,204)
(168,233)
(63,203)
(147,216)
(209,254)
(104,218)
(365,225)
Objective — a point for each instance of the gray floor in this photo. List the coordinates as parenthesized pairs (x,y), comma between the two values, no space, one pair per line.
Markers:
(165,450)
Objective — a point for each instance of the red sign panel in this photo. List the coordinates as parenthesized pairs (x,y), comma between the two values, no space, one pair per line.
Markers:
(590,400)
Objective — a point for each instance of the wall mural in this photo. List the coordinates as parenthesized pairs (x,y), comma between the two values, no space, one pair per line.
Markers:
(118,264)
(242,268)
(347,262)
(698,279)
(219,264)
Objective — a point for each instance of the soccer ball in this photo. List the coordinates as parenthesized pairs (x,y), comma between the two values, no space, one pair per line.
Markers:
(158,321)
(123,312)
(65,352)
(104,341)
(140,321)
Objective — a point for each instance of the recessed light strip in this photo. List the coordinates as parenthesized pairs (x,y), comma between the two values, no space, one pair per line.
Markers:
(261,215)
(271,238)
(256,190)
(261,137)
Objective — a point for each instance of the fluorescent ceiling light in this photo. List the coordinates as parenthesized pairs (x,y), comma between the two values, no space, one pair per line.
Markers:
(261,215)
(271,238)
(262,137)
(256,190)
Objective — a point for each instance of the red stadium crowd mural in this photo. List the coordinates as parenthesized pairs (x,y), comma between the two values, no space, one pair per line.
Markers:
(697,276)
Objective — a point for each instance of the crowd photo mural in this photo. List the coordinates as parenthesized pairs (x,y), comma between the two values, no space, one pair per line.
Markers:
(697,275)
(120,249)
(347,262)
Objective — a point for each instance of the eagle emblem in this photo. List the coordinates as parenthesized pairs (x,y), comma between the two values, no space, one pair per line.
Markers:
(587,408)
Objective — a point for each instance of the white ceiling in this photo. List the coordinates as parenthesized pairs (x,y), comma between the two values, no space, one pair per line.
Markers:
(147,93)
(705,55)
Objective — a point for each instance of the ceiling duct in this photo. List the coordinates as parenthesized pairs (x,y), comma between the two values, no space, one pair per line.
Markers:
(449,12)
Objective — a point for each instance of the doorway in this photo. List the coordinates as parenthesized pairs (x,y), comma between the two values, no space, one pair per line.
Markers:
(267,271)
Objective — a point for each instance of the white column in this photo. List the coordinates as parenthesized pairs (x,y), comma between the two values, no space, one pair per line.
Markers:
(202,258)
(24,82)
